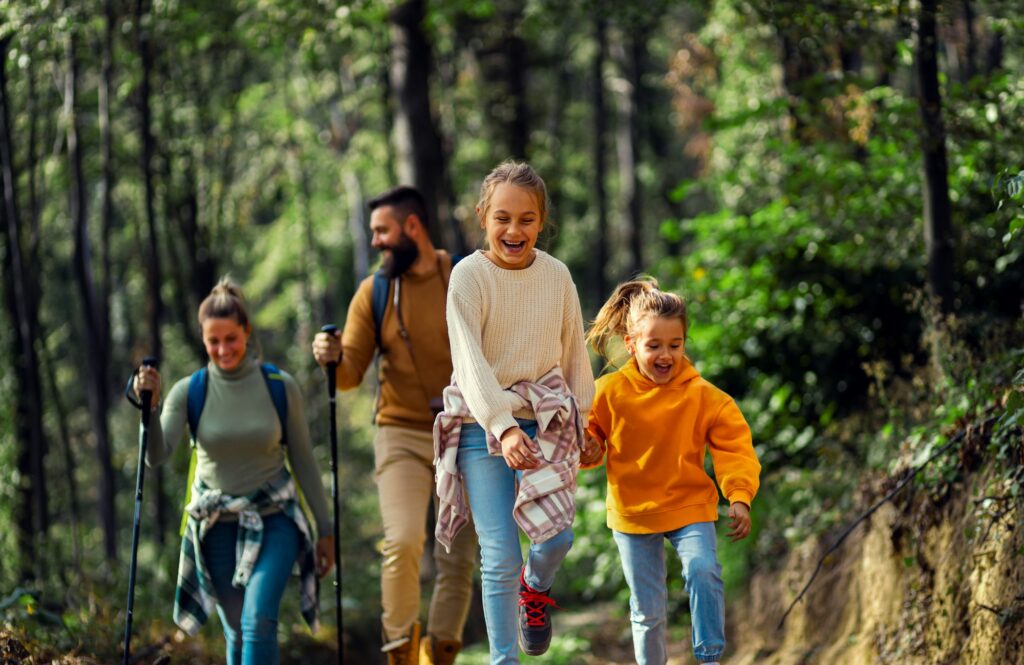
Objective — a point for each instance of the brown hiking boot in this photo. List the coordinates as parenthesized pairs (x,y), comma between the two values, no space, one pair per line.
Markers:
(404,650)
(438,652)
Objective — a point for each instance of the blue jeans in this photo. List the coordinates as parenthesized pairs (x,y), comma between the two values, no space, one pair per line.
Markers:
(249,615)
(643,563)
(491,488)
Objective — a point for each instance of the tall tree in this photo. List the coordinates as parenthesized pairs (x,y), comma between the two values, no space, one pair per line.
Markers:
(938,225)
(630,51)
(600,119)
(417,140)
(154,301)
(98,388)
(32,518)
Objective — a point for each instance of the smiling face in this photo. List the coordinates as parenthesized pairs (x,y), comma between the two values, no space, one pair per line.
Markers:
(397,249)
(512,222)
(226,341)
(659,347)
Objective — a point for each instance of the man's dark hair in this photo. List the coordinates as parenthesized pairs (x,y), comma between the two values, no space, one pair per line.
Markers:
(406,200)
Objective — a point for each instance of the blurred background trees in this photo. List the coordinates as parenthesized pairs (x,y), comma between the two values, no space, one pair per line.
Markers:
(833,187)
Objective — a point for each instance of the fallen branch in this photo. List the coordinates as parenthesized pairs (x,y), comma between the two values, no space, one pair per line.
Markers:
(888,497)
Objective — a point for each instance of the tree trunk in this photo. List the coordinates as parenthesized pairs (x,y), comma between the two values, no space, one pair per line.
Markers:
(106,162)
(357,226)
(417,141)
(971,47)
(97,361)
(154,303)
(515,80)
(31,511)
(938,224)
(69,458)
(630,56)
(601,254)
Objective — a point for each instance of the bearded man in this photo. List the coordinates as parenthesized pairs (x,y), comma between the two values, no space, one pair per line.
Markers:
(415,366)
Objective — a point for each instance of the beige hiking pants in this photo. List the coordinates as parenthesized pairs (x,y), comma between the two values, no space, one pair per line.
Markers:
(405,484)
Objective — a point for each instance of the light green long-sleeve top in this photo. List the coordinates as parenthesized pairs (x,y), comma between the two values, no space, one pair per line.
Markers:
(238,446)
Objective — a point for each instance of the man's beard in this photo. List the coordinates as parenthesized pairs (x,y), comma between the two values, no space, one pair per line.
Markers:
(400,257)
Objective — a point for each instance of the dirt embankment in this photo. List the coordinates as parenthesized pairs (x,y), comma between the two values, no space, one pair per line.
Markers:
(919,583)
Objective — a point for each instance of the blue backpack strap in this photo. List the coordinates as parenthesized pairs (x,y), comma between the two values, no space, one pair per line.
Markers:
(196,400)
(279,395)
(456,258)
(379,303)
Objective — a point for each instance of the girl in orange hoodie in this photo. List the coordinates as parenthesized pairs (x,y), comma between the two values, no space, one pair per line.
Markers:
(653,419)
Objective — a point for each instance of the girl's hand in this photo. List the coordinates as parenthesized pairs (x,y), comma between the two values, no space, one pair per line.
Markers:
(592,451)
(740,524)
(520,451)
(147,378)
(324,555)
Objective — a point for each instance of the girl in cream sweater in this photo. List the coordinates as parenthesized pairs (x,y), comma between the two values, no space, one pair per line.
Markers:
(514,417)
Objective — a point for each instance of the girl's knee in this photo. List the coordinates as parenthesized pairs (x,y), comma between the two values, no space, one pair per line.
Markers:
(259,627)
(703,570)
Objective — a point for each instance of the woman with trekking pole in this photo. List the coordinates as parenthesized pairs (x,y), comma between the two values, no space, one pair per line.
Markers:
(244,526)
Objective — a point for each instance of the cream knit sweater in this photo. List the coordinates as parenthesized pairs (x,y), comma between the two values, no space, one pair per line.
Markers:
(508,326)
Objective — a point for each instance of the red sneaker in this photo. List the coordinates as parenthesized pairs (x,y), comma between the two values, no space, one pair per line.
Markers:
(534,622)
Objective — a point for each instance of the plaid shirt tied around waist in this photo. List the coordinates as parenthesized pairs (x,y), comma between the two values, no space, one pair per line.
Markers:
(195,597)
(545,499)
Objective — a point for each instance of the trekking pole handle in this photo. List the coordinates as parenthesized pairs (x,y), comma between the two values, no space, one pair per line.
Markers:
(332,367)
(147,395)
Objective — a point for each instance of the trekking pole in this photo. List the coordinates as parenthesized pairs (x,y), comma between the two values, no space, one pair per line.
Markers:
(145,406)
(332,401)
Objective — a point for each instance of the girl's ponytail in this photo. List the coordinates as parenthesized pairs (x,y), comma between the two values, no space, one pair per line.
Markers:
(613,319)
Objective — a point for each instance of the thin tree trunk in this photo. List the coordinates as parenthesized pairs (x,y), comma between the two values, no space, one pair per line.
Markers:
(106,162)
(938,223)
(69,457)
(601,254)
(628,142)
(971,48)
(357,226)
(96,358)
(514,50)
(154,303)
(32,511)
(417,141)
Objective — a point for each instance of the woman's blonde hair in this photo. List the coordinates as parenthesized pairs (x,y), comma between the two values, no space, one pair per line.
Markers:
(225,302)
(631,303)
(515,173)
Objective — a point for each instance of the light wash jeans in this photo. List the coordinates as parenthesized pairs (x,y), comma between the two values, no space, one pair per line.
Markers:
(249,615)
(643,563)
(491,487)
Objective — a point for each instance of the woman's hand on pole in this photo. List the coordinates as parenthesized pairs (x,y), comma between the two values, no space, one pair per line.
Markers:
(324,555)
(148,378)
(327,348)
(519,450)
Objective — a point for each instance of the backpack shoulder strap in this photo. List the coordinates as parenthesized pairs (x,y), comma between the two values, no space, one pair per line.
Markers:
(379,303)
(196,400)
(279,395)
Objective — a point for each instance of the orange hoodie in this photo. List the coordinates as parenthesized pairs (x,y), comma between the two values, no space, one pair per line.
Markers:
(655,437)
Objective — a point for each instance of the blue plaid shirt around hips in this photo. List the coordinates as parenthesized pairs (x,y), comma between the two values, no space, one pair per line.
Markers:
(195,598)
(545,499)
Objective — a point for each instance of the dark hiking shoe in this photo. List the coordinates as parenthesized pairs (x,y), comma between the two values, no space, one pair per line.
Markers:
(534,619)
